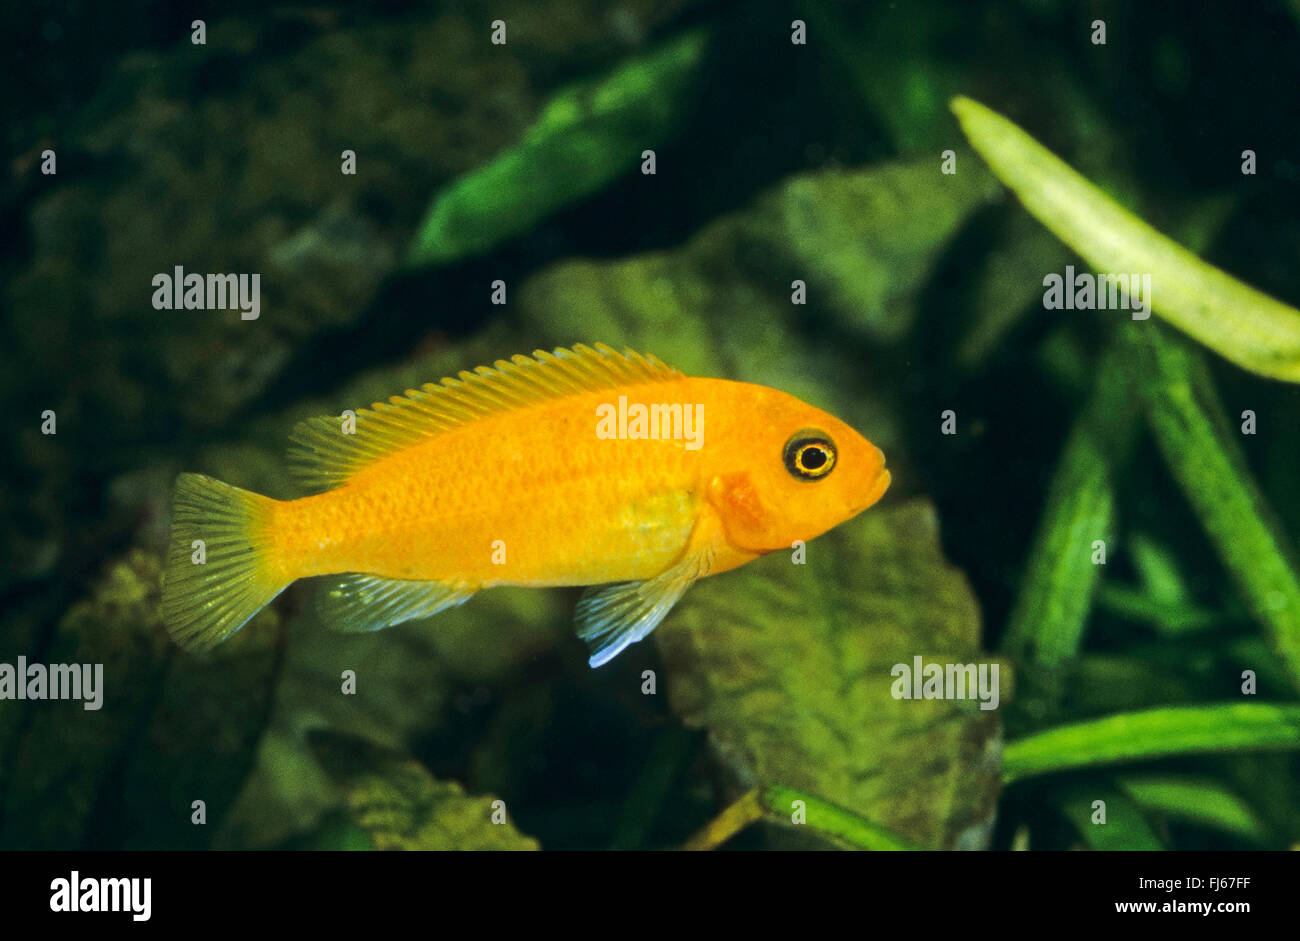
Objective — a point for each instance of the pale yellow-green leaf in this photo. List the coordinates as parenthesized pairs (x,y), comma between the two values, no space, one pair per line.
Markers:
(1246,326)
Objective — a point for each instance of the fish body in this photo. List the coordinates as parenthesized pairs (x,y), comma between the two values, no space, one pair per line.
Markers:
(580,467)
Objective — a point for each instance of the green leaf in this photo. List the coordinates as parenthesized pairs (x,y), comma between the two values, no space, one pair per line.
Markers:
(1098,684)
(1047,621)
(1154,733)
(897,59)
(403,807)
(867,240)
(1125,827)
(1244,325)
(1204,802)
(838,825)
(1204,455)
(1174,617)
(585,137)
(789,668)
(1158,570)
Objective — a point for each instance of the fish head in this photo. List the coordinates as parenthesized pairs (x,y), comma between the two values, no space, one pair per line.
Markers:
(787,471)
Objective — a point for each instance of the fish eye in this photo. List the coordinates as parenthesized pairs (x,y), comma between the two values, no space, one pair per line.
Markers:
(809,454)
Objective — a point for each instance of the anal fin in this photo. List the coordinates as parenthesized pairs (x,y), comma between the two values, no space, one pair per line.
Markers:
(359,602)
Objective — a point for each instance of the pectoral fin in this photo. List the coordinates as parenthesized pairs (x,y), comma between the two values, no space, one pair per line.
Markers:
(610,617)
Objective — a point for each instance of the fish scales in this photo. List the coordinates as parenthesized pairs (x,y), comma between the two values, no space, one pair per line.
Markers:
(591,512)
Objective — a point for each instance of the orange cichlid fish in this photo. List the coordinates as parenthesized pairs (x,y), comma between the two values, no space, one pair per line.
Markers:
(585,466)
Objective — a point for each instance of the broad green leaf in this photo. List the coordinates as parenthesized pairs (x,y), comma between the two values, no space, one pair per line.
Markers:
(788,666)
(720,305)
(867,239)
(403,807)
(1204,802)
(863,240)
(585,137)
(1153,733)
(1204,455)
(1244,325)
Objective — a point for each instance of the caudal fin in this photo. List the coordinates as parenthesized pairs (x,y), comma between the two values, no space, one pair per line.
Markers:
(211,590)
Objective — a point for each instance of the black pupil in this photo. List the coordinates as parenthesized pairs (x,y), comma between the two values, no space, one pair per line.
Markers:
(813,457)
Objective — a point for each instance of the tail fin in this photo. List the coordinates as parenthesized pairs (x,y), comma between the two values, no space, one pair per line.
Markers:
(204,602)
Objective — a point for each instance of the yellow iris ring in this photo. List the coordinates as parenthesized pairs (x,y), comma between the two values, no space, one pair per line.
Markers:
(800,448)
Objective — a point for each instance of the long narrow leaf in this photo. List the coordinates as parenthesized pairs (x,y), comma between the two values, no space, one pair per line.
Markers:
(586,136)
(1122,828)
(834,822)
(1208,803)
(1246,326)
(1153,733)
(1201,449)
(1056,593)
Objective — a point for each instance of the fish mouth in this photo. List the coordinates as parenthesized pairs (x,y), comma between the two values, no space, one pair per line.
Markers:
(876,492)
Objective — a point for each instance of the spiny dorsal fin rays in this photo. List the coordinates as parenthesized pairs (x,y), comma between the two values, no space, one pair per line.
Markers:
(322,457)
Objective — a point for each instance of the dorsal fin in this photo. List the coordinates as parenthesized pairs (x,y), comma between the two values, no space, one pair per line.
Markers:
(323,457)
